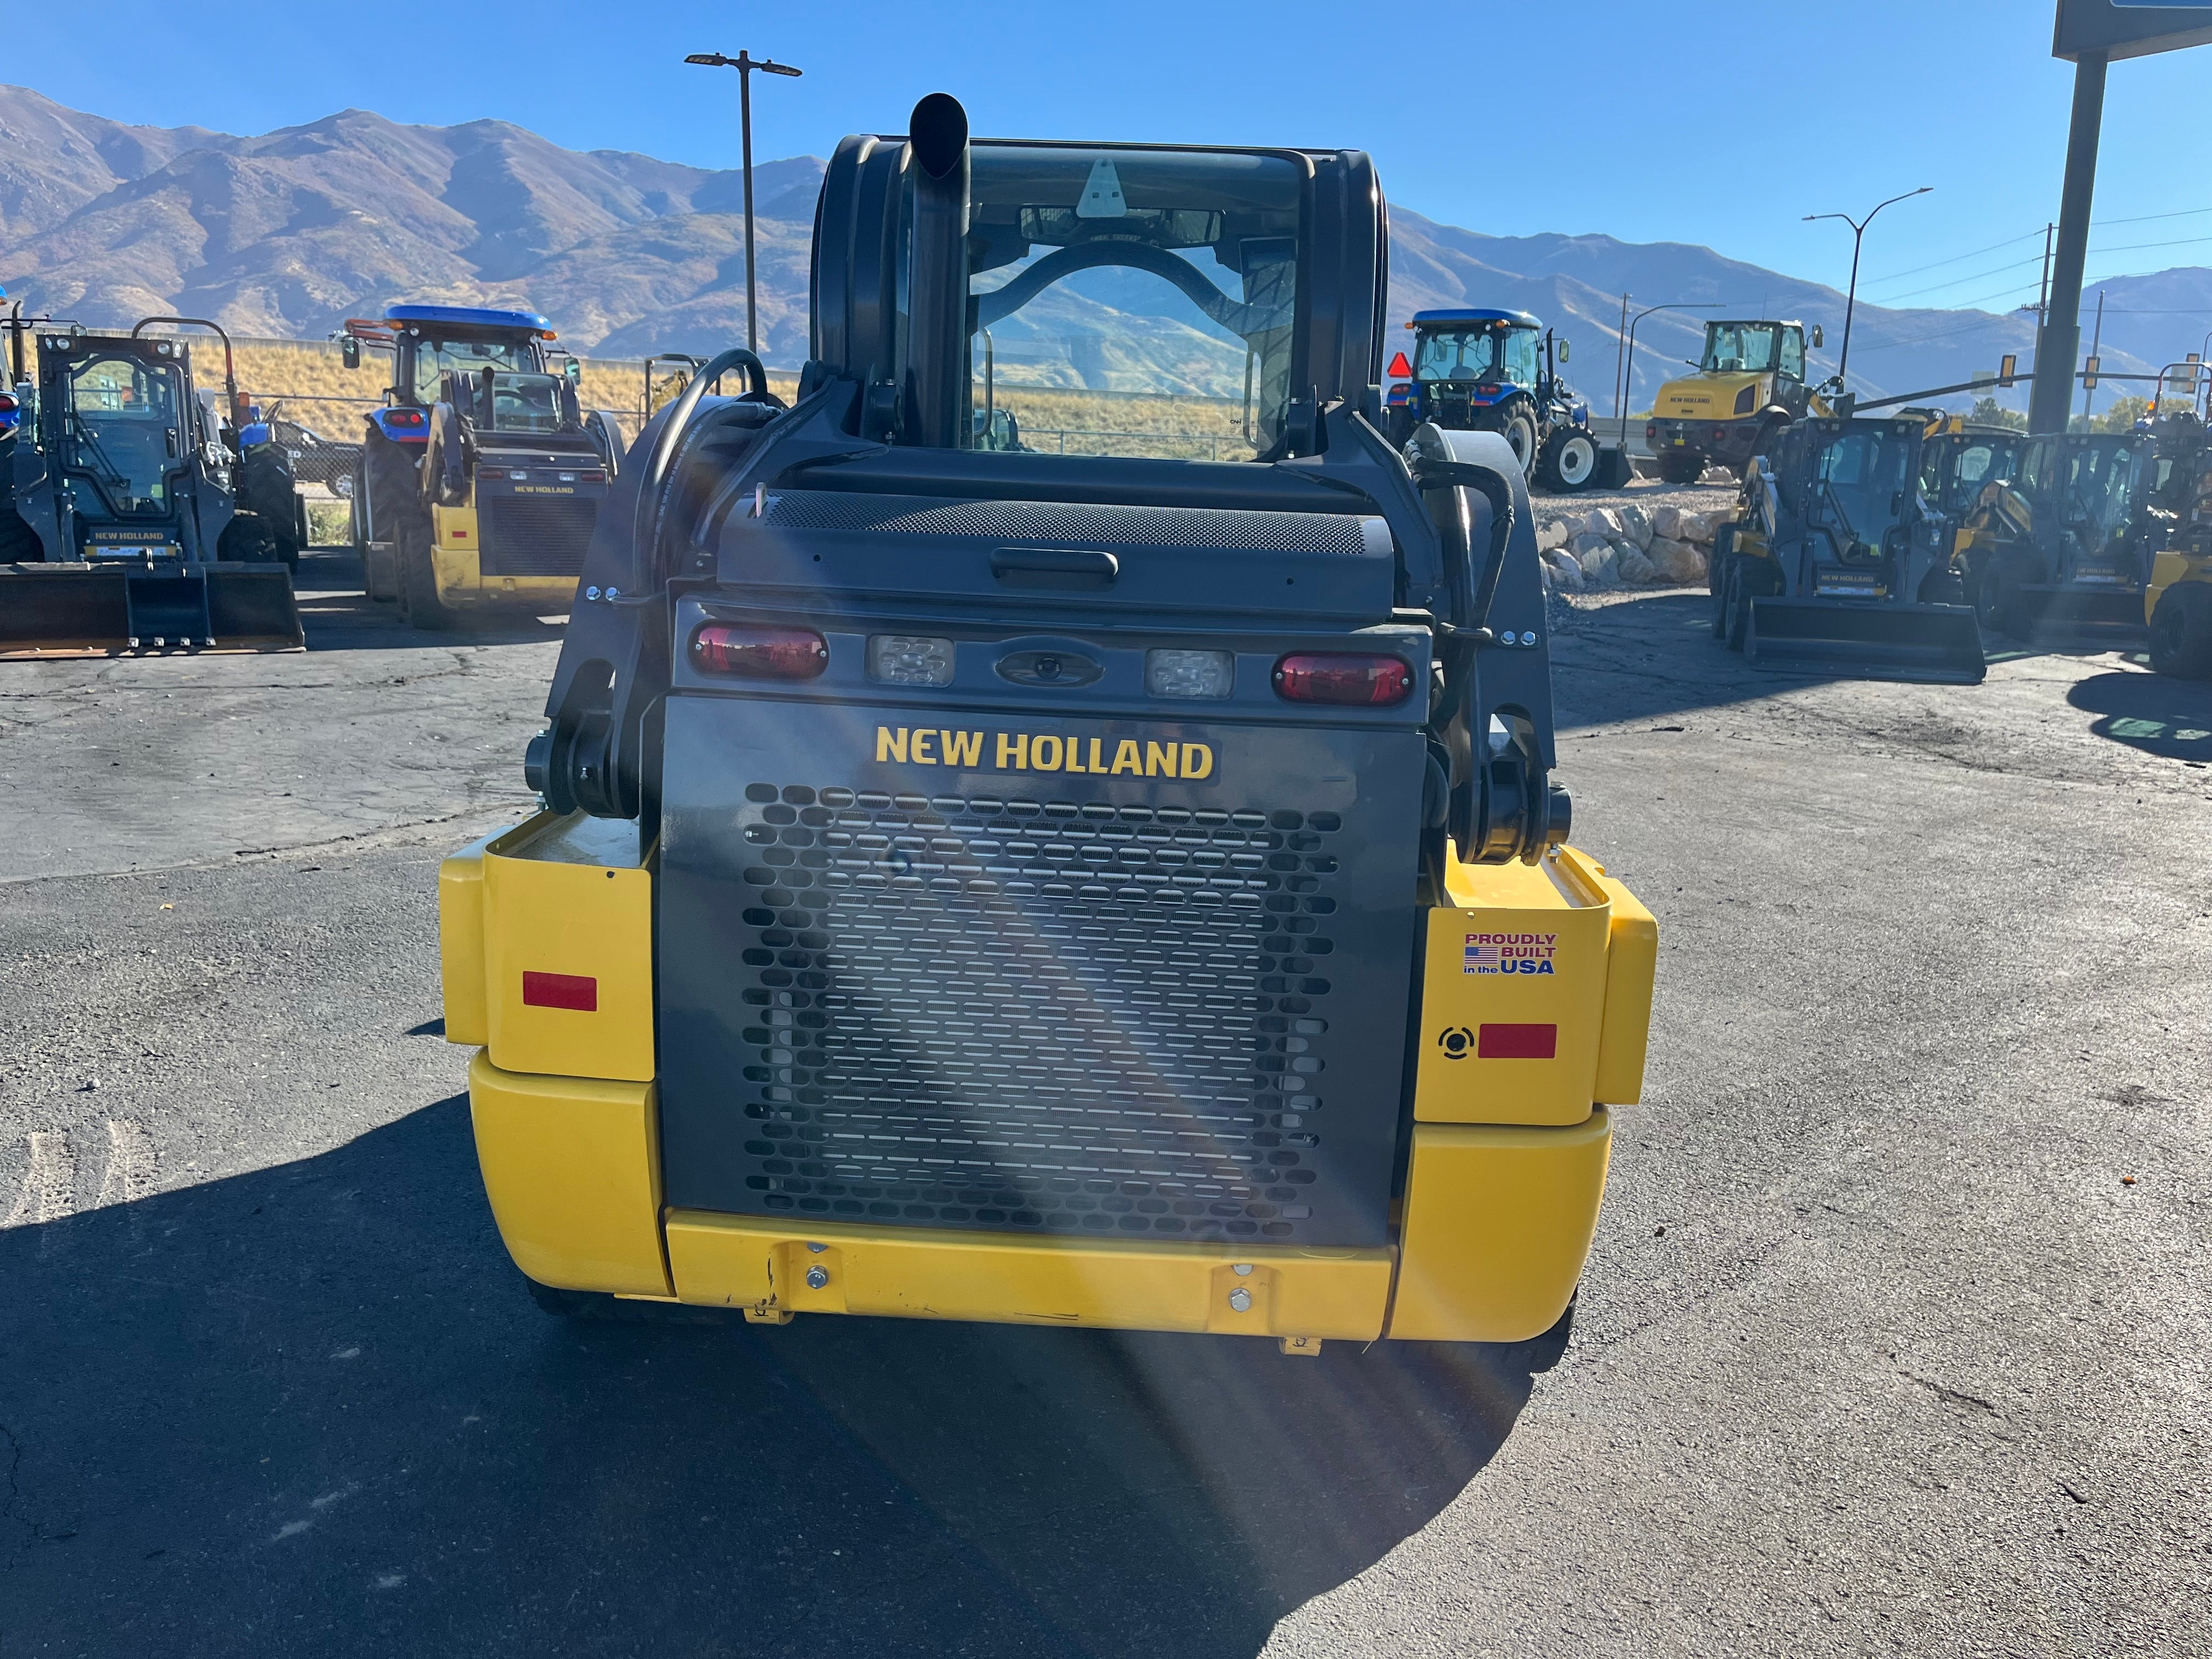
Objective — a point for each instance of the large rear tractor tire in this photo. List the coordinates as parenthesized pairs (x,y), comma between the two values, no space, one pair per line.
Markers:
(1720,580)
(1570,461)
(2181,632)
(419,607)
(1679,467)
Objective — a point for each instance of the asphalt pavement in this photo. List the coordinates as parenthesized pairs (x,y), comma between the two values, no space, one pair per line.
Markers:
(1894,1338)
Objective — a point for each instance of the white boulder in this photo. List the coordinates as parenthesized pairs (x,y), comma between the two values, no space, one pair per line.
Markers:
(1677,561)
(1666,520)
(1562,572)
(1595,555)
(1633,567)
(1635,524)
(1600,521)
(1553,532)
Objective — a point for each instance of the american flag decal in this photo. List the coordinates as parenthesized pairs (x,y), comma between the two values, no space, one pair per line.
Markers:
(1483,958)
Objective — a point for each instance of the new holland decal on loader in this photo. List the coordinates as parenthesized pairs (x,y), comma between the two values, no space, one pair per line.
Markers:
(150,516)
(1836,562)
(980,883)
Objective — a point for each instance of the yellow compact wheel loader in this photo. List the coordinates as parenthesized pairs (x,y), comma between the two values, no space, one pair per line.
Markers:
(1749,385)
(980,883)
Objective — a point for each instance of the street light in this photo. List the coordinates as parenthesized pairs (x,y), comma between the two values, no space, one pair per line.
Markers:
(1858,230)
(1627,374)
(745,66)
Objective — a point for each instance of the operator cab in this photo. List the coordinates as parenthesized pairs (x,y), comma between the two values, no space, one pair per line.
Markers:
(1757,348)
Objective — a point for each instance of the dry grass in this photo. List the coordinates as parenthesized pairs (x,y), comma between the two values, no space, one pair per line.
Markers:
(320,392)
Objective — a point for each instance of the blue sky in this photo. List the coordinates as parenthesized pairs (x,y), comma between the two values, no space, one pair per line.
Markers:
(1720,123)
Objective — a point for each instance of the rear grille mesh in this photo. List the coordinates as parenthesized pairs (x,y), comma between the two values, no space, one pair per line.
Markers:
(536,535)
(1036,1016)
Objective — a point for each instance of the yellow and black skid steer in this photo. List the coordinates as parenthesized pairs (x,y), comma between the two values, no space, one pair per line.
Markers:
(980,883)
(136,527)
(1835,562)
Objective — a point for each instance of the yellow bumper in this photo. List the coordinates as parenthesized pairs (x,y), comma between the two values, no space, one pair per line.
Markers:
(1539,994)
(1497,1223)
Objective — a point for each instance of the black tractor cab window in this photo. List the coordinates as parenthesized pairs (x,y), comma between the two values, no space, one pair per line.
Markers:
(1487,352)
(1793,354)
(123,431)
(427,359)
(1130,301)
(1740,348)
(2102,481)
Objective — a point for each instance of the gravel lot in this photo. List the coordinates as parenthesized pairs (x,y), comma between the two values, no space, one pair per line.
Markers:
(1879,1350)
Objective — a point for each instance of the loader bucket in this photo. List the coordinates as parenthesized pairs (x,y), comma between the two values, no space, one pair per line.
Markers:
(1939,644)
(92,611)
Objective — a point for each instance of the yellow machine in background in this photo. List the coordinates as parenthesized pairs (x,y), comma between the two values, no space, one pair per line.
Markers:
(1749,384)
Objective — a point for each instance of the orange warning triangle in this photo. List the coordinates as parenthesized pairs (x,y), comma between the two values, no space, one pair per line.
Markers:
(1400,368)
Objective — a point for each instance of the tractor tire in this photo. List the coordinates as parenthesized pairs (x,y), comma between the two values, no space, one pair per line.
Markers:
(1747,582)
(1570,461)
(418,583)
(357,510)
(1943,586)
(1518,428)
(1720,577)
(2181,632)
(247,539)
(1681,469)
(266,489)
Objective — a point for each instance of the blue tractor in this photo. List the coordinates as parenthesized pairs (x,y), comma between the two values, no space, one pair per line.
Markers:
(1498,371)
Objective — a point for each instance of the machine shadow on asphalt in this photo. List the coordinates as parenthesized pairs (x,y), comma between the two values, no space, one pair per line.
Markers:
(319,1387)
(2169,718)
(336,615)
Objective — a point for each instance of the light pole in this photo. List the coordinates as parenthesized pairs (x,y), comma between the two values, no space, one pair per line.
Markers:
(1858,231)
(1627,392)
(745,65)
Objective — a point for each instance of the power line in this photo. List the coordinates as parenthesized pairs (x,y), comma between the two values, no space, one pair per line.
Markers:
(1955,282)
(1937,265)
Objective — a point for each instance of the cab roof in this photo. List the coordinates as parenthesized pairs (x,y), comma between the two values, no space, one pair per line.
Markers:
(1446,319)
(468,317)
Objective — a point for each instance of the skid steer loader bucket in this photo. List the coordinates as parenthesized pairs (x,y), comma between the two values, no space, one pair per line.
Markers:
(1939,644)
(91,611)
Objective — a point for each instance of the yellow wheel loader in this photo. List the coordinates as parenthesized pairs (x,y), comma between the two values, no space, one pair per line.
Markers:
(980,883)
(2178,598)
(1749,385)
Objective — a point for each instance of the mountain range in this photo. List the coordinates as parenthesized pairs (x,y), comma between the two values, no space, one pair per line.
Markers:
(288,234)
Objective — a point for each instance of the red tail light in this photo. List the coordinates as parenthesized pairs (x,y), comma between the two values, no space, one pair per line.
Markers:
(491,472)
(759,653)
(1317,677)
(7,404)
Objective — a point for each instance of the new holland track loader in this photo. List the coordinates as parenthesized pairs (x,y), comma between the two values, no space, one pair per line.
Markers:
(1748,386)
(1835,562)
(150,516)
(2077,537)
(480,479)
(980,883)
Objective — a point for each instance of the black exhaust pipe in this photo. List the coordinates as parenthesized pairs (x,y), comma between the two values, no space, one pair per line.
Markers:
(937,284)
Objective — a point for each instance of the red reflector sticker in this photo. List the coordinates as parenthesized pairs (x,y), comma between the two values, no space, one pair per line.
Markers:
(579,992)
(1517,1043)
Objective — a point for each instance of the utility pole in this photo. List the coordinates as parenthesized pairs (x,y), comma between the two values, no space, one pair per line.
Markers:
(1619,346)
(745,64)
(2096,340)
(1858,234)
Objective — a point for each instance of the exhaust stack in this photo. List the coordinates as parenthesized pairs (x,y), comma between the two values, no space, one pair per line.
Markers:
(936,287)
